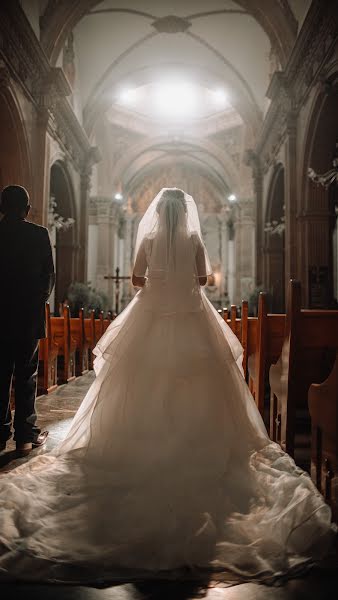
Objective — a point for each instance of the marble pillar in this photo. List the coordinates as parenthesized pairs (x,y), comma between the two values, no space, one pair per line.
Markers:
(41,168)
(85,176)
(291,254)
(244,226)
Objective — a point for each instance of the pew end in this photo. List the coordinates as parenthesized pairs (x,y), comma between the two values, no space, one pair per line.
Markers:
(48,356)
(308,351)
(323,408)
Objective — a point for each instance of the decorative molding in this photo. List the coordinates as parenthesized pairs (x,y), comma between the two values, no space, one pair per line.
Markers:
(288,90)
(47,87)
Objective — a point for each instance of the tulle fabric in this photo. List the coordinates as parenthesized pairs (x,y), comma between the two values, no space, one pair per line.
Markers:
(167,464)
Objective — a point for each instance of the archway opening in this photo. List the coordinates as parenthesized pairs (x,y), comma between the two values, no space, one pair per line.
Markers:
(63,238)
(275,242)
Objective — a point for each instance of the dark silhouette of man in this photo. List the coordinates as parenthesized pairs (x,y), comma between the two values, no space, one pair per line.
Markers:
(26,281)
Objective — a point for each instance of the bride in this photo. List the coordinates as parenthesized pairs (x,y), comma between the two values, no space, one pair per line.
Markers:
(167,463)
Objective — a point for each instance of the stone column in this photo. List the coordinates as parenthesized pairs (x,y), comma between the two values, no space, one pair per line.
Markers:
(85,175)
(252,160)
(244,249)
(105,251)
(224,257)
(92,243)
(290,199)
(231,262)
(41,168)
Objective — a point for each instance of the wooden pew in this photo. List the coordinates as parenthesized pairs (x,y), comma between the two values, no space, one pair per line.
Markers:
(309,347)
(77,329)
(99,326)
(48,355)
(107,321)
(244,328)
(60,328)
(90,336)
(265,340)
(323,407)
(235,323)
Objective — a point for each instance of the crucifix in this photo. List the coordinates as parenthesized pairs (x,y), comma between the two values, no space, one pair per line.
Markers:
(117,279)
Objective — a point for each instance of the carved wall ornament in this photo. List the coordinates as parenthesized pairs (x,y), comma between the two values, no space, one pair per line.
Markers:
(171,24)
(55,221)
(328,178)
(289,89)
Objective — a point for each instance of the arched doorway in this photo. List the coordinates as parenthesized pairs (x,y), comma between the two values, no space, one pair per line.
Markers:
(320,205)
(14,155)
(64,239)
(274,267)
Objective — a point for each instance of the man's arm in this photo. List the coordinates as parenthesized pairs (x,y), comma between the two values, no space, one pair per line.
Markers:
(47,271)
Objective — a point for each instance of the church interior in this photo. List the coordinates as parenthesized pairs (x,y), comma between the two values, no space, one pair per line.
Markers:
(102,104)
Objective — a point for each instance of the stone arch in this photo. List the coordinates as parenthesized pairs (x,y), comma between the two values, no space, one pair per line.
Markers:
(14,151)
(318,228)
(100,99)
(206,189)
(64,241)
(276,19)
(222,163)
(274,245)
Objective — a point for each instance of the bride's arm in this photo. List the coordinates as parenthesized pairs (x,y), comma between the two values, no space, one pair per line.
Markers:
(138,278)
(138,281)
(200,264)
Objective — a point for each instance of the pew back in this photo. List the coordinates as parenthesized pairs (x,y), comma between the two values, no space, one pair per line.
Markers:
(266,339)
(323,407)
(77,329)
(60,328)
(307,355)
(90,336)
(48,353)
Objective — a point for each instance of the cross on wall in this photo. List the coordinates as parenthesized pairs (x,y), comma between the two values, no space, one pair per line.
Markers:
(117,278)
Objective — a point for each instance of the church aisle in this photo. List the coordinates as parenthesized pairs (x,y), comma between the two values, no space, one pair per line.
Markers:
(55,412)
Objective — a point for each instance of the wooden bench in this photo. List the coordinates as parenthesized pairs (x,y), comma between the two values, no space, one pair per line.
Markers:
(107,321)
(323,407)
(309,349)
(48,356)
(61,331)
(89,323)
(264,343)
(245,328)
(77,329)
(99,326)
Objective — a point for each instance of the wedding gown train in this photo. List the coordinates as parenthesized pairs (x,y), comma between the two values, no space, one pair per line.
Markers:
(167,462)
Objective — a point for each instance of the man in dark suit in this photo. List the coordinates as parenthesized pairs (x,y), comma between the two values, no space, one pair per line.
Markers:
(26,281)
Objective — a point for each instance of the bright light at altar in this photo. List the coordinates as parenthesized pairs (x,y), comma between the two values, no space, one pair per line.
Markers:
(174,99)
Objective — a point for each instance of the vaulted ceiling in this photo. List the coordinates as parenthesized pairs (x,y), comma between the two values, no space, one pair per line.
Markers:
(215,45)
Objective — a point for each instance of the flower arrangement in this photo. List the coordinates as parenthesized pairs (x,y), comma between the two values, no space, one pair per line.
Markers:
(55,221)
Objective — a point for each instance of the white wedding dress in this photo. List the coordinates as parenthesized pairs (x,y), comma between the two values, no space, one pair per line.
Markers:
(167,463)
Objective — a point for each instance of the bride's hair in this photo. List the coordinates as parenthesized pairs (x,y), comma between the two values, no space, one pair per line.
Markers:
(172,210)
